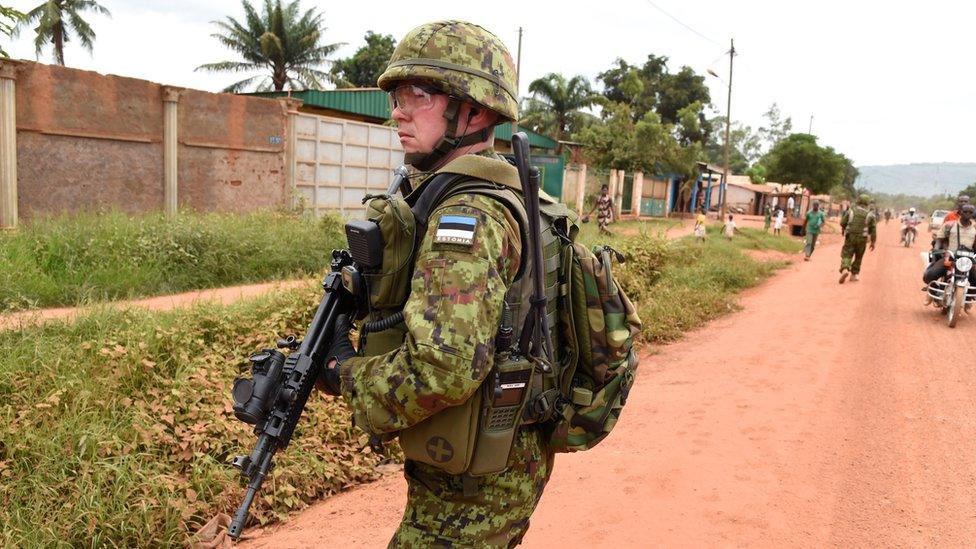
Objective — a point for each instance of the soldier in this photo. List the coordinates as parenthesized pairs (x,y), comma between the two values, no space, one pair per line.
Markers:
(450,83)
(858,225)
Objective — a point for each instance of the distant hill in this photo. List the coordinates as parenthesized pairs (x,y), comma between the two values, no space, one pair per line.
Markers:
(917,179)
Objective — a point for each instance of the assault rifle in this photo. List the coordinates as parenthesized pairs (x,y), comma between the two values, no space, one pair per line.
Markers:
(274,398)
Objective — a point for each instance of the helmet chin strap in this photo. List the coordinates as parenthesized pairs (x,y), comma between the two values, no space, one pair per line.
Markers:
(426,162)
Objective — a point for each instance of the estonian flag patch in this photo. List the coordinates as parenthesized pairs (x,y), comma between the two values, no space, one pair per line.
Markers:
(455,229)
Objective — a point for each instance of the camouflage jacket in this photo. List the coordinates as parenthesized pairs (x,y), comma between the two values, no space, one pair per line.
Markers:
(860,223)
(451,316)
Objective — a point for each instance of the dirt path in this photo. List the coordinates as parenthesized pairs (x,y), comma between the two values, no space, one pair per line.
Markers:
(159,303)
(816,416)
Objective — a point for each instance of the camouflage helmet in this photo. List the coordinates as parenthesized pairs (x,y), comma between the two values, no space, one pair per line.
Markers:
(863,199)
(461,58)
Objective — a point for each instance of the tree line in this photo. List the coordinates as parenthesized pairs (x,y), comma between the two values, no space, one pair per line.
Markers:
(643,117)
(648,118)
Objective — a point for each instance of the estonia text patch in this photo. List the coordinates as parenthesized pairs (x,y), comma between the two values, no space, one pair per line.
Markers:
(455,229)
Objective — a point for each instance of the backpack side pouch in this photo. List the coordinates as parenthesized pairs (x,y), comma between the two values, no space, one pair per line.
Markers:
(604,324)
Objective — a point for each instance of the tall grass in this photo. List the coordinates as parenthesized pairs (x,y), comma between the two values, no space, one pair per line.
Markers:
(85,258)
(117,430)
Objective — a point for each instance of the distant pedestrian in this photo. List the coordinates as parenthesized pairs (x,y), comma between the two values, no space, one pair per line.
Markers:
(815,220)
(778,224)
(729,228)
(790,204)
(767,218)
(700,221)
(604,209)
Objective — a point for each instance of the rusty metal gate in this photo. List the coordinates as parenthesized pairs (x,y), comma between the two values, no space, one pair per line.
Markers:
(337,162)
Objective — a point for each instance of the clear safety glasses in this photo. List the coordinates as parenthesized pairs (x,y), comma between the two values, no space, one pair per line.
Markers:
(411,98)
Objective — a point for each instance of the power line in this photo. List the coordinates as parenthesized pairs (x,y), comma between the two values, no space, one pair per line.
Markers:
(678,21)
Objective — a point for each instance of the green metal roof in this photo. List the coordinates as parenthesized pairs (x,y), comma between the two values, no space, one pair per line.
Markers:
(372,102)
(504,132)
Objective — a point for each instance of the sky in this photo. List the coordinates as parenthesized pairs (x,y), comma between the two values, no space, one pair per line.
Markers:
(885,82)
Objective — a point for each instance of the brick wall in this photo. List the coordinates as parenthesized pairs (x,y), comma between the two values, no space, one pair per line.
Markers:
(87,141)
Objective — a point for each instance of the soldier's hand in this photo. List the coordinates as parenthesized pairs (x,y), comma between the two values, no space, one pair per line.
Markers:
(340,350)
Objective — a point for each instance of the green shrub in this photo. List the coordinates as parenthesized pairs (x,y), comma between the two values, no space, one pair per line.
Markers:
(679,285)
(85,258)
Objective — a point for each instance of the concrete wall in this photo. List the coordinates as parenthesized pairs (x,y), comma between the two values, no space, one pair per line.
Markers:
(740,197)
(231,153)
(87,141)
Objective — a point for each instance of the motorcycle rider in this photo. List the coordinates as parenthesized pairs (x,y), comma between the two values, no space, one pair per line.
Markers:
(908,223)
(952,236)
(954,215)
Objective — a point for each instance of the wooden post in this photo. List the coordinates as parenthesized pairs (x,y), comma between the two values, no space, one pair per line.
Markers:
(171,100)
(8,145)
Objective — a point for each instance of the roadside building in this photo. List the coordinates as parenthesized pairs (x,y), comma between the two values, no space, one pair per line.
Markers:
(744,196)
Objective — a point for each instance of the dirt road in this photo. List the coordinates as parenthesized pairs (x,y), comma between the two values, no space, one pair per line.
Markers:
(817,416)
(158,303)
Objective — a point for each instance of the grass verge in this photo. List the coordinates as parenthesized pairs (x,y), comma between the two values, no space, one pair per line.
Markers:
(117,429)
(84,258)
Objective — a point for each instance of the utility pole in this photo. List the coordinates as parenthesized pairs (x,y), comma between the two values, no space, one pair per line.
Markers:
(810,128)
(518,74)
(728,131)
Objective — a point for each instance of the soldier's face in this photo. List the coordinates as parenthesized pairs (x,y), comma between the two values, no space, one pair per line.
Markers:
(419,129)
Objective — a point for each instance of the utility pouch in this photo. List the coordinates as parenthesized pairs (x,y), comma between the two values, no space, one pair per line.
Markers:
(505,394)
(389,283)
(445,440)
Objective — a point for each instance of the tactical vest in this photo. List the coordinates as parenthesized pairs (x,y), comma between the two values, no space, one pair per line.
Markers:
(482,430)
(857,221)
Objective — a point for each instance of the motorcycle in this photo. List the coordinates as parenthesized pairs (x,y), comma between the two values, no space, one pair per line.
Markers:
(909,233)
(953,293)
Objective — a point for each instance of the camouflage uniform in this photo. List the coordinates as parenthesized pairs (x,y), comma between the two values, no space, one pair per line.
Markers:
(859,225)
(451,317)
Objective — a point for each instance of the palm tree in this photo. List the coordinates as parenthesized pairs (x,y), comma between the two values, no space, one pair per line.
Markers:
(556,102)
(56,21)
(277,41)
(7,27)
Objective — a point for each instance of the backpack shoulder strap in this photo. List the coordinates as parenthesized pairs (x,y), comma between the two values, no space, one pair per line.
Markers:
(444,185)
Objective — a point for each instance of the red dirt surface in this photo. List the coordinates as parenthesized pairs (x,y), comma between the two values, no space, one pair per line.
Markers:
(818,415)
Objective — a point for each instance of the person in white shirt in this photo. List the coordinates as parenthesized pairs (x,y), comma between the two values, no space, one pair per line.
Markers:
(729,228)
(778,224)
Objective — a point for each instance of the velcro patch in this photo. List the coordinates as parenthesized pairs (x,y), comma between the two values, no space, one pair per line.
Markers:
(455,229)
